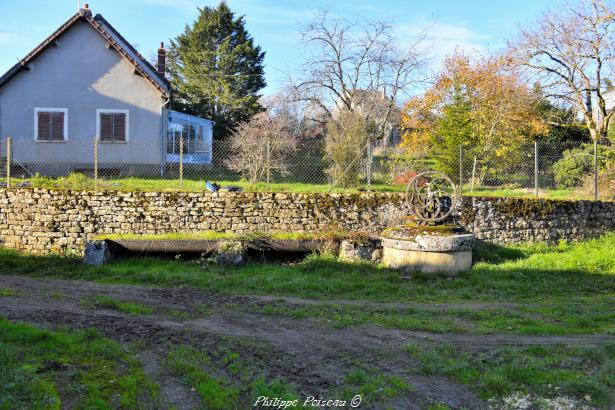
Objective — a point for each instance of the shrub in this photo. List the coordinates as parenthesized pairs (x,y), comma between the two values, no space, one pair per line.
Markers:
(404,178)
(345,145)
(262,147)
(571,169)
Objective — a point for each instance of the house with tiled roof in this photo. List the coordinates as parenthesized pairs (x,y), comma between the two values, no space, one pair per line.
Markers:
(86,82)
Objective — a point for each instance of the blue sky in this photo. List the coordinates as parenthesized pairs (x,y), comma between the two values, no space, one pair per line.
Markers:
(472,26)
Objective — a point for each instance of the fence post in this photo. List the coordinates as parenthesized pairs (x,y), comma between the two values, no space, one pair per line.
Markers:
(268,160)
(95,163)
(9,142)
(181,161)
(596,170)
(460,169)
(368,165)
(536,168)
(473,175)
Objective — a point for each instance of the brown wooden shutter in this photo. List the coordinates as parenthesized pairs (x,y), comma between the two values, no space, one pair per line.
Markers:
(44,126)
(57,126)
(119,127)
(106,127)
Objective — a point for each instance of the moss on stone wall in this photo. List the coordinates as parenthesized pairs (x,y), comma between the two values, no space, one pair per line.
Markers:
(43,221)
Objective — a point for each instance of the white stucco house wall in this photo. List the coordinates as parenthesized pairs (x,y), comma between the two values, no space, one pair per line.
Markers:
(86,81)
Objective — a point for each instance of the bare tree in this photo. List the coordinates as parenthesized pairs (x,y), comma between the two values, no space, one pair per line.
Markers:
(572,51)
(297,114)
(357,66)
(262,146)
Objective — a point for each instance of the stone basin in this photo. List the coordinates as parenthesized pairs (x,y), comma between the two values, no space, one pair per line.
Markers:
(431,252)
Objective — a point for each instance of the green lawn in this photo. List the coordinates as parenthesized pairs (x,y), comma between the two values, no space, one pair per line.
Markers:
(82,182)
(562,194)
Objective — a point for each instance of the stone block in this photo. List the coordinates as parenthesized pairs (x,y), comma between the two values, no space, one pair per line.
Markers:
(230,253)
(365,250)
(97,253)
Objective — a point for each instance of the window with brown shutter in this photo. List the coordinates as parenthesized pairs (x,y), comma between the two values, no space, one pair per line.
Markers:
(51,124)
(112,126)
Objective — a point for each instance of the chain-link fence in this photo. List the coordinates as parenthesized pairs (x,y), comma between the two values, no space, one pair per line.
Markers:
(564,170)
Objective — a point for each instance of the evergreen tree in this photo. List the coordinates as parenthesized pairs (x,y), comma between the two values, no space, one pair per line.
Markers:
(452,129)
(215,69)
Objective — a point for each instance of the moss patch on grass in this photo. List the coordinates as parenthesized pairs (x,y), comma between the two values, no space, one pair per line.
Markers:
(41,369)
(411,230)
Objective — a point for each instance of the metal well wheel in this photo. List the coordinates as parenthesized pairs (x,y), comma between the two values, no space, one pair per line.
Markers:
(432,196)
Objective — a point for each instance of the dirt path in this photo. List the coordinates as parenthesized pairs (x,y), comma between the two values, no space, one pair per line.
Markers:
(302,351)
(166,295)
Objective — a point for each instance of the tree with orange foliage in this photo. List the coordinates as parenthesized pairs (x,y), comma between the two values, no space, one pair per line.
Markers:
(482,105)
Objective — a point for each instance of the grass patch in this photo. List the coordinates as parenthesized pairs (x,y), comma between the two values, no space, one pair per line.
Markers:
(215,236)
(372,386)
(546,371)
(4,292)
(346,316)
(78,181)
(223,380)
(131,308)
(564,194)
(576,317)
(41,369)
(539,273)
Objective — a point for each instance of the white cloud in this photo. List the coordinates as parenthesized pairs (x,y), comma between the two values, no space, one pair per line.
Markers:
(444,38)
(7,38)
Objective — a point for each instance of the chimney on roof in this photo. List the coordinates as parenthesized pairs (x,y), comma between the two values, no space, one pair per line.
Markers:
(85,10)
(162,60)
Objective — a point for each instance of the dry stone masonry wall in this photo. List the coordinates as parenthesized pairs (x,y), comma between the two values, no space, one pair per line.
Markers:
(57,221)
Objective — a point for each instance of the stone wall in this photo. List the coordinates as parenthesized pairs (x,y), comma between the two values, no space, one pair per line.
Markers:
(45,221)
(514,220)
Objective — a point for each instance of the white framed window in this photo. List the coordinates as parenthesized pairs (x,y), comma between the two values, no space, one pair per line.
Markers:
(112,125)
(50,124)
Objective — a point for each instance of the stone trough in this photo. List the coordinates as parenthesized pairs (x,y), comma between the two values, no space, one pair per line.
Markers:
(442,249)
(162,246)
(102,251)
(439,249)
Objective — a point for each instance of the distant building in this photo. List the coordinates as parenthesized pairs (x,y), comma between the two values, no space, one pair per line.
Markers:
(609,99)
(375,104)
(85,81)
